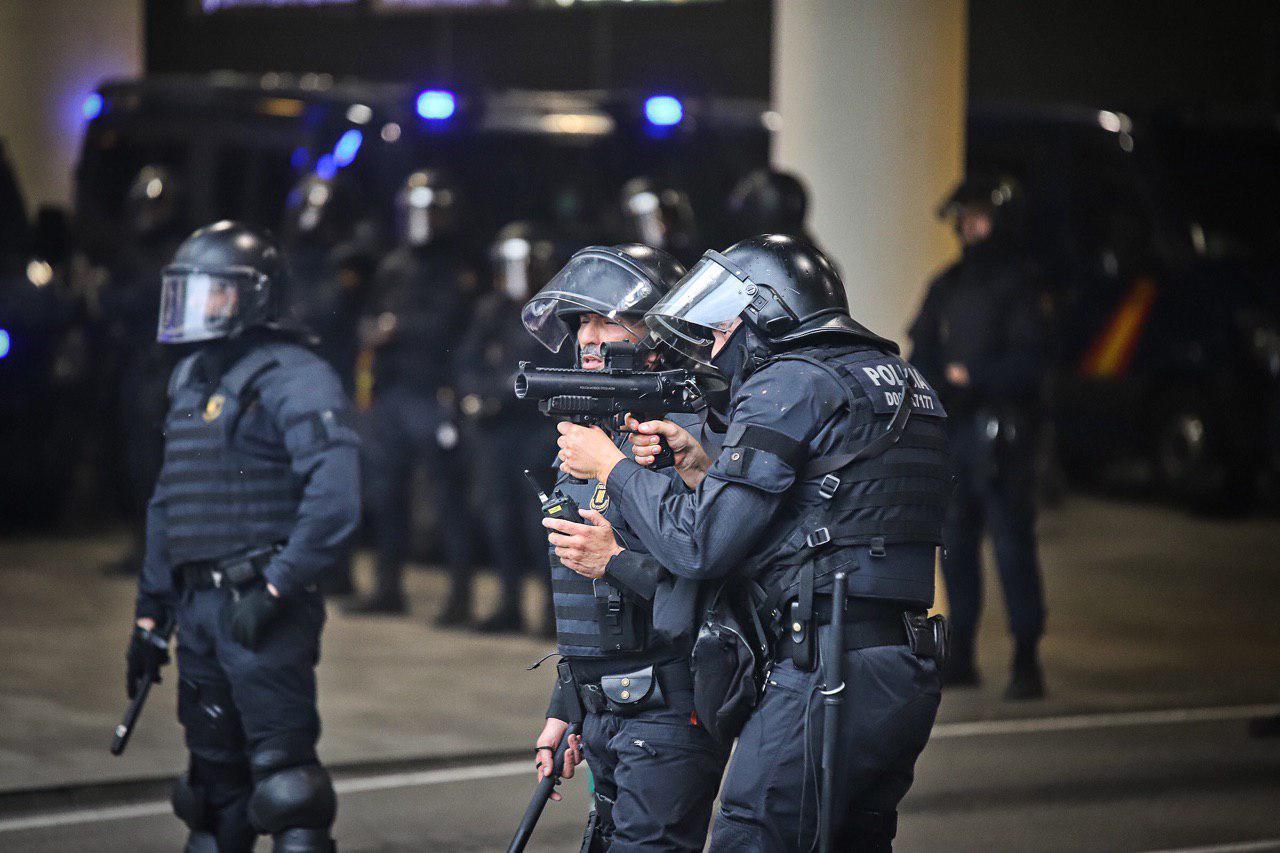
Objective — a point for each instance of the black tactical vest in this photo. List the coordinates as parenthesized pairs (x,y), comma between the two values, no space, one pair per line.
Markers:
(875,505)
(226,480)
(594,618)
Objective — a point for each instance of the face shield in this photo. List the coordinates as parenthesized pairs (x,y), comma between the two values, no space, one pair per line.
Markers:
(198,305)
(645,211)
(707,300)
(511,259)
(591,283)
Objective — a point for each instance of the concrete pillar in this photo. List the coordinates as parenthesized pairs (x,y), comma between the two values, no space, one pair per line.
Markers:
(52,55)
(871,95)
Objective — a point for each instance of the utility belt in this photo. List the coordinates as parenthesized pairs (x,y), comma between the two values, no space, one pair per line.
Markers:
(868,623)
(234,572)
(665,685)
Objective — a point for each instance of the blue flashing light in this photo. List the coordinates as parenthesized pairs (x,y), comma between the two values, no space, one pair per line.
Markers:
(300,158)
(4,342)
(347,148)
(325,167)
(92,106)
(663,110)
(436,104)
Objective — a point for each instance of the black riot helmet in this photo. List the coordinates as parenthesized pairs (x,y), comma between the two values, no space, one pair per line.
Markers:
(999,196)
(320,210)
(151,202)
(426,208)
(225,278)
(783,288)
(618,282)
(768,201)
(661,217)
(523,258)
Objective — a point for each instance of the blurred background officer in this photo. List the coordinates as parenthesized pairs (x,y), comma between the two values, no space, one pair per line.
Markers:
(330,264)
(257,497)
(826,464)
(130,305)
(655,771)
(769,201)
(660,217)
(509,436)
(419,305)
(981,340)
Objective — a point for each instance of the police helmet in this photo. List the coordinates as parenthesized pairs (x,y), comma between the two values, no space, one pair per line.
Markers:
(1000,196)
(524,257)
(151,202)
(426,208)
(319,209)
(618,282)
(782,287)
(769,201)
(661,217)
(225,278)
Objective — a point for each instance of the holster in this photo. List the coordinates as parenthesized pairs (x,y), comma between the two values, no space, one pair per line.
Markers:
(621,623)
(927,635)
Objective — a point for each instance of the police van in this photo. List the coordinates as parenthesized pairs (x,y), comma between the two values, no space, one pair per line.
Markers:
(1159,235)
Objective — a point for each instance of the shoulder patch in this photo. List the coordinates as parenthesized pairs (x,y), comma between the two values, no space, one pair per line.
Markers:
(883,380)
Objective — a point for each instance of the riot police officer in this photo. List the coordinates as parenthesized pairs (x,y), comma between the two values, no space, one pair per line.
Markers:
(420,302)
(659,216)
(257,497)
(624,674)
(510,436)
(981,340)
(834,460)
(330,265)
(130,301)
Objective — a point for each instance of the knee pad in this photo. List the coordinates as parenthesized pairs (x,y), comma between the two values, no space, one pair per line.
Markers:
(291,790)
(209,717)
(870,831)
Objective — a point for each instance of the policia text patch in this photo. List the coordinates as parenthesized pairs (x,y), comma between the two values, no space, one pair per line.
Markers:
(884,380)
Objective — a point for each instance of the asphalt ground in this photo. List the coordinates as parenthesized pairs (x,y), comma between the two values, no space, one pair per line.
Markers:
(1175,779)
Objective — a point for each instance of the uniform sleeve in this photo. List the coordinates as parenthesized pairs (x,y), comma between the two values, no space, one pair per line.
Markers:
(634,572)
(156,594)
(318,426)
(774,421)
(926,341)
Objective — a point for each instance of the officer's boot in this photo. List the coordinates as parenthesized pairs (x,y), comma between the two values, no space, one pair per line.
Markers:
(303,840)
(959,669)
(457,606)
(388,595)
(1027,681)
(507,619)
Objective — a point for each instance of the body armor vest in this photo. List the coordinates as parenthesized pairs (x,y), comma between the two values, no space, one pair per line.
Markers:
(594,618)
(875,504)
(226,481)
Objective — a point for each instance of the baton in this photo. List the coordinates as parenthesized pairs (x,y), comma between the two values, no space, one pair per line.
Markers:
(542,793)
(131,714)
(832,698)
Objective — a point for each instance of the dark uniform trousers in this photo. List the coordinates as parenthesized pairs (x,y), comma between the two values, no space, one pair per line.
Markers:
(660,772)
(517,541)
(402,430)
(998,499)
(273,689)
(770,797)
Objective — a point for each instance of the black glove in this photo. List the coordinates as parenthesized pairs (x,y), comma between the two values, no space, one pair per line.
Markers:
(148,651)
(249,614)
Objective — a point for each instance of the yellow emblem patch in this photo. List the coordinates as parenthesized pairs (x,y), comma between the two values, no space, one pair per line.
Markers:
(213,408)
(600,498)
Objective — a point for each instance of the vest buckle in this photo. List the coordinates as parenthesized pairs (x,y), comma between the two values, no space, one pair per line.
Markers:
(827,489)
(216,577)
(877,546)
(817,538)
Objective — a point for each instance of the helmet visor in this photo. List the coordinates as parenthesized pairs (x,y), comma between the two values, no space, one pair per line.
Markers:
(196,305)
(591,283)
(707,300)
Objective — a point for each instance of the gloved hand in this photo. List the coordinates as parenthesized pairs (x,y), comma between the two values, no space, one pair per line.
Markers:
(249,614)
(148,651)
